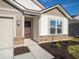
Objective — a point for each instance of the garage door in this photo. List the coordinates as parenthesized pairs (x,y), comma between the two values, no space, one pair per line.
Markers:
(6,38)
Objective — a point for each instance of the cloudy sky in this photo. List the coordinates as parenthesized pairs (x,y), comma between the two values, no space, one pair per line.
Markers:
(71,6)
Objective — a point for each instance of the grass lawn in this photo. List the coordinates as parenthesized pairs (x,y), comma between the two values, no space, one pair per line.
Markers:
(75,39)
(74,49)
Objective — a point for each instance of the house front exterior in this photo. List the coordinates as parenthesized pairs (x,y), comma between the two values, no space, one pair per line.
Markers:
(53,25)
(36,23)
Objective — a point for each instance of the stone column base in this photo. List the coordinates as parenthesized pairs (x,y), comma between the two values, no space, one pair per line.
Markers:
(18,40)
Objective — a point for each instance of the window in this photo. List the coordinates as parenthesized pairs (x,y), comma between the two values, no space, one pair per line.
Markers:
(55,26)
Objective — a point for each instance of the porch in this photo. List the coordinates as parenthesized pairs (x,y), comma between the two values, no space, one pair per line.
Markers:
(28,29)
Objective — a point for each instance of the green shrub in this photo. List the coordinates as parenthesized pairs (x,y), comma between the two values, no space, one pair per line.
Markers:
(58,44)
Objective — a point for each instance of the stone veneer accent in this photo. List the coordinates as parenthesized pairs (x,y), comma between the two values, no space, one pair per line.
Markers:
(18,40)
(52,38)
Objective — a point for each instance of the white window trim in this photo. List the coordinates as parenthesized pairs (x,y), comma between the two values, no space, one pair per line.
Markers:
(55,27)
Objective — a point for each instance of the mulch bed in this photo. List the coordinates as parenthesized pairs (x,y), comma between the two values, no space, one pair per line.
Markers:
(60,53)
(20,50)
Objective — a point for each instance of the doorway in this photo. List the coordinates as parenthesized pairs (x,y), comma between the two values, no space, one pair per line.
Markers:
(28,28)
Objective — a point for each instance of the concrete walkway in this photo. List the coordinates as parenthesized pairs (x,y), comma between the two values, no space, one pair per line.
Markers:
(37,51)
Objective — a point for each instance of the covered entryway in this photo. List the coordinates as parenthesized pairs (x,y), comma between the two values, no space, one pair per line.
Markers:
(31,27)
(6,38)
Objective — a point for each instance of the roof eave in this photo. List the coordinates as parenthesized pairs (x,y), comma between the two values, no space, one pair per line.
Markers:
(66,14)
(61,9)
(29,11)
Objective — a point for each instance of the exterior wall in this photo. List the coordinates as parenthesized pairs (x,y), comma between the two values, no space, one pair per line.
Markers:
(19,38)
(8,11)
(55,12)
(44,24)
(52,38)
(5,6)
(18,30)
(44,35)
(35,28)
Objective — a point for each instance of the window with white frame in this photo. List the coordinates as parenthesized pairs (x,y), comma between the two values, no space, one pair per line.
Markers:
(55,27)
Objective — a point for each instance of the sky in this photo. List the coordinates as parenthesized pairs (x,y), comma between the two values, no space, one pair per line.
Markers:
(71,6)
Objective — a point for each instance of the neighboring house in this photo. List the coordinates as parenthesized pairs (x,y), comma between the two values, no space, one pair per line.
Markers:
(21,20)
(74,26)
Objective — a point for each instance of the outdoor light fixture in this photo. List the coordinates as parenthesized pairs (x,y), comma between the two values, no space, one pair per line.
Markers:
(18,22)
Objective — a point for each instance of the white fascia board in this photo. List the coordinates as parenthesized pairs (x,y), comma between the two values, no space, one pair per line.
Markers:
(49,8)
(65,12)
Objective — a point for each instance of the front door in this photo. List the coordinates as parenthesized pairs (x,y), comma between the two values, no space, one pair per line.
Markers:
(27,29)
